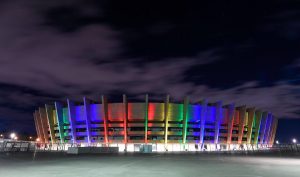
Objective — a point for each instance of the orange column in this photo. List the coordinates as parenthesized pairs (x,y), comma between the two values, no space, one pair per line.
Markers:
(105,111)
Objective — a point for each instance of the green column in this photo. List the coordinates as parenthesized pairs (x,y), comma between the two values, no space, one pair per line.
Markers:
(185,114)
(60,122)
(258,116)
(250,124)
(146,118)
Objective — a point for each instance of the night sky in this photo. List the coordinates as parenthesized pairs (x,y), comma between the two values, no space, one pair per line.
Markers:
(247,52)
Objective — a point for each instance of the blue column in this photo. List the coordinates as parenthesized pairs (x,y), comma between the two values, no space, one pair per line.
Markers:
(218,119)
(268,128)
(72,113)
(202,119)
(263,127)
(87,115)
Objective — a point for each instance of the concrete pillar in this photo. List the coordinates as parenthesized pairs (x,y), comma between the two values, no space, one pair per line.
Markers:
(166,110)
(50,117)
(125,119)
(105,111)
(87,115)
(185,119)
(251,114)
(218,119)
(258,118)
(202,119)
(242,115)
(72,114)
(230,122)
(59,118)
(146,118)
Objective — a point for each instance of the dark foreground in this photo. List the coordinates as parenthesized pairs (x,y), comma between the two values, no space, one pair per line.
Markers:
(152,165)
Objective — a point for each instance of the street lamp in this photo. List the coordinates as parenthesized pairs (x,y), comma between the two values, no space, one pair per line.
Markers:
(16,138)
(294,140)
(1,135)
(12,135)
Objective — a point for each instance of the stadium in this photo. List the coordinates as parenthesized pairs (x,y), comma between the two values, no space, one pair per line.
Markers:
(155,126)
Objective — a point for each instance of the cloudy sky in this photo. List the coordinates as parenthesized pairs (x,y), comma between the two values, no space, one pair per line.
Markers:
(235,51)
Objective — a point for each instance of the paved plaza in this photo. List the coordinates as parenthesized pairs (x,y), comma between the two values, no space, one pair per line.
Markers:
(148,165)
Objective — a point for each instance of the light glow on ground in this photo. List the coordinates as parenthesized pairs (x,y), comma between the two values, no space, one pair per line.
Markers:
(152,165)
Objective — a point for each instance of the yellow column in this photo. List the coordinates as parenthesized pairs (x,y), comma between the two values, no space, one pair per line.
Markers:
(242,113)
(258,116)
(166,119)
(250,124)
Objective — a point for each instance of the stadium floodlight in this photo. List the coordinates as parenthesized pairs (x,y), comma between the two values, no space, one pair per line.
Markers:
(12,135)
(294,140)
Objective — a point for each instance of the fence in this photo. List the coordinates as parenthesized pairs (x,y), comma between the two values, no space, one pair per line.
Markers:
(16,146)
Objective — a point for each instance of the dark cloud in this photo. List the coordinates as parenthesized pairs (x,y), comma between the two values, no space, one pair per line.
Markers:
(235,52)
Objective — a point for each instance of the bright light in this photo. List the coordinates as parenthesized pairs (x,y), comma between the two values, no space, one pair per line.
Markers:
(294,140)
(30,137)
(277,142)
(12,135)
(16,138)
(37,139)
(1,135)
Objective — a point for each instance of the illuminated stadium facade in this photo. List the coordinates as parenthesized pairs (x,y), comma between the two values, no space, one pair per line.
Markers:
(164,125)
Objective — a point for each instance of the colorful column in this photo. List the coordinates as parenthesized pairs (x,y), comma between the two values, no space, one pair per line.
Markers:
(218,119)
(230,115)
(263,127)
(87,115)
(202,119)
(268,129)
(50,116)
(44,122)
(146,118)
(59,118)
(40,125)
(37,125)
(258,117)
(242,115)
(185,114)
(274,128)
(125,118)
(251,112)
(71,109)
(166,117)
(105,111)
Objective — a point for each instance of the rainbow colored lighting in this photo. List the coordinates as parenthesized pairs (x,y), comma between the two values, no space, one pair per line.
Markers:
(153,123)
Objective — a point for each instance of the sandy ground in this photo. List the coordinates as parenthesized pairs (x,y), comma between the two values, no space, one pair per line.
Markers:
(144,165)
